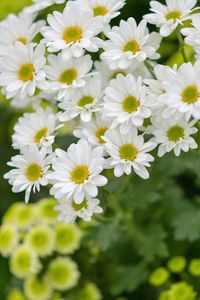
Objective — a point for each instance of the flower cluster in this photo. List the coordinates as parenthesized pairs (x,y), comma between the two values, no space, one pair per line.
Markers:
(39,251)
(124,104)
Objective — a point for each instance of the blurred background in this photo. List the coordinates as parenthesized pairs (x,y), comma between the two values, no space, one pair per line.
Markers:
(155,221)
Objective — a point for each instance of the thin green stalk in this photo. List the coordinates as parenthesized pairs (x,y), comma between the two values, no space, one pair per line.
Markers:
(150,68)
(181,43)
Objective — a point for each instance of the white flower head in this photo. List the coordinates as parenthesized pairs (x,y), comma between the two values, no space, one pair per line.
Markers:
(72,31)
(18,29)
(192,34)
(83,102)
(126,102)
(130,43)
(70,210)
(128,152)
(64,75)
(30,170)
(41,4)
(169,16)
(38,128)
(76,173)
(22,70)
(182,92)
(94,130)
(173,135)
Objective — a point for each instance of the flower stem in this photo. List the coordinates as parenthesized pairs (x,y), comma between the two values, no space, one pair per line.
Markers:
(181,43)
(150,68)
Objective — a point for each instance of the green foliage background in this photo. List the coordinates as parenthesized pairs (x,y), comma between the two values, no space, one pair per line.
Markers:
(145,222)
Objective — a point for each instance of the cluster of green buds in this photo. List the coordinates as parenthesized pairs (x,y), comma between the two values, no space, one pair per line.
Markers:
(178,280)
(39,250)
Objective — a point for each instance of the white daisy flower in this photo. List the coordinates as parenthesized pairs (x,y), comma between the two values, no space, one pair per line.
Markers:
(64,75)
(173,135)
(18,29)
(182,92)
(83,101)
(128,152)
(30,171)
(41,4)
(130,43)
(72,31)
(21,70)
(38,128)
(107,9)
(106,74)
(171,15)
(192,34)
(76,172)
(126,102)
(70,210)
(94,130)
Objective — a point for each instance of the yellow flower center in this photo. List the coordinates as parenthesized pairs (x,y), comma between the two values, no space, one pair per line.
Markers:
(26,71)
(80,174)
(85,100)
(100,133)
(78,207)
(100,11)
(130,104)
(175,132)
(23,40)
(173,15)
(131,46)
(72,34)
(128,152)
(33,172)
(68,76)
(40,134)
(190,94)
(114,74)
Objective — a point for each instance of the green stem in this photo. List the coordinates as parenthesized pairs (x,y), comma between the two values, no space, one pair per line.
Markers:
(181,43)
(150,68)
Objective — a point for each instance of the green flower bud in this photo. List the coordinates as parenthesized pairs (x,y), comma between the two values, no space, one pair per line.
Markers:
(89,292)
(37,288)
(8,239)
(46,210)
(15,294)
(177,264)
(159,277)
(194,267)
(182,291)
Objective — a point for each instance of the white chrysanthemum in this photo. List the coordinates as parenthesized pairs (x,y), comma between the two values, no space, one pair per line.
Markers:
(18,29)
(30,171)
(107,9)
(21,70)
(94,130)
(173,135)
(182,92)
(64,75)
(106,74)
(72,31)
(76,172)
(70,210)
(169,16)
(128,152)
(83,102)
(41,4)
(126,102)
(192,34)
(130,43)
(38,128)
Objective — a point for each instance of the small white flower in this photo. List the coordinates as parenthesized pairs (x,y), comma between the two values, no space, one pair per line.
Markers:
(72,31)
(70,210)
(83,101)
(76,172)
(18,29)
(30,171)
(94,130)
(130,43)
(126,102)
(173,135)
(169,16)
(182,92)
(64,75)
(21,70)
(41,4)
(38,128)
(192,33)
(128,152)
